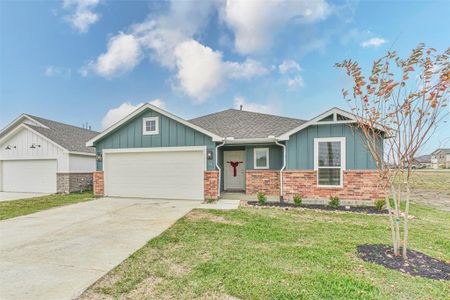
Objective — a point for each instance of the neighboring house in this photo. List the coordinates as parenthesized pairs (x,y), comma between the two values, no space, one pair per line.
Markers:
(423,161)
(44,156)
(154,154)
(440,158)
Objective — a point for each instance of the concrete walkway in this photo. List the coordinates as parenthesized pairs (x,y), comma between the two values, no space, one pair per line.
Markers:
(8,196)
(58,253)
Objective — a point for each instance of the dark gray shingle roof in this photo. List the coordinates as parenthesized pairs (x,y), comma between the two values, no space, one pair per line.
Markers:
(242,124)
(70,137)
(445,150)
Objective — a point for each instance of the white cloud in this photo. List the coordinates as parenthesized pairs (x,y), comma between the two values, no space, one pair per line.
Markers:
(54,71)
(82,14)
(122,55)
(201,70)
(118,113)
(158,103)
(256,22)
(295,82)
(373,42)
(289,66)
(253,106)
(292,69)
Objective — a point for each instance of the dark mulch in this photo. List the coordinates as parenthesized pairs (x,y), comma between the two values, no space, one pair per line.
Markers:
(287,205)
(417,264)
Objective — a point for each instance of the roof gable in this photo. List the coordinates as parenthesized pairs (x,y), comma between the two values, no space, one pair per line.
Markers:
(69,137)
(158,110)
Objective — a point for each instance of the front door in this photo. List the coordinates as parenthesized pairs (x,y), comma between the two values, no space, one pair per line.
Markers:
(234,170)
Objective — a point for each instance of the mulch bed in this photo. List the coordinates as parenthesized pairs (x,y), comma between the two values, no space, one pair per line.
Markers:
(417,264)
(288,205)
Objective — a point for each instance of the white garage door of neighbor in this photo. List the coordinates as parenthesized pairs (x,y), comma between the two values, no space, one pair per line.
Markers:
(166,175)
(34,175)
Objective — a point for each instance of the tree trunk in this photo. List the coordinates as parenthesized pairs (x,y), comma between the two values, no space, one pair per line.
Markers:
(391,223)
(397,223)
(406,228)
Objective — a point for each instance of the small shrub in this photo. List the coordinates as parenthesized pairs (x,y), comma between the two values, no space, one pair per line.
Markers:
(379,204)
(334,202)
(262,199)
(297,200)
(210,200)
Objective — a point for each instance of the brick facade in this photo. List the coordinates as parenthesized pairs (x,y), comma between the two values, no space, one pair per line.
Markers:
(267,181)
(73,182)
(98,183)
(211,184)
(358,185)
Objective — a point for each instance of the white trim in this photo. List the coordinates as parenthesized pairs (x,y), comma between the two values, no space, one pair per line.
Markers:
(140,109)
(343,162)
(254,159)
(19,118)
(144,126)
(282,168)
(316,121)
(218,167)
(233,141)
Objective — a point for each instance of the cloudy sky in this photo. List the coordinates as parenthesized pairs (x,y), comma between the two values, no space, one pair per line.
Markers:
(95,60)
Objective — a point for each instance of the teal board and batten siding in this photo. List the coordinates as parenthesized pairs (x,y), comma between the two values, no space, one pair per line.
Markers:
(300,147)
(275,156)
(171,134)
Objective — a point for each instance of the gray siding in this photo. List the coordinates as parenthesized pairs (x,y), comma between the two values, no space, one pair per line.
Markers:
(275,156)
(300,147)
(171,134)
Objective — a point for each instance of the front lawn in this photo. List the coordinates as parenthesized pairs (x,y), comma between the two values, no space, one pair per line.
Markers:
(14,208)
(254,253)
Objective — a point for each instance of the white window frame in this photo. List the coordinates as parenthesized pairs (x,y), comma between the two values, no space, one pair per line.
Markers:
(267,166)
(144,127)
(343,163)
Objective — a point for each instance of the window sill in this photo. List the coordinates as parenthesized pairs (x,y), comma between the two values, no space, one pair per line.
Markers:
(330,187)
(150,133)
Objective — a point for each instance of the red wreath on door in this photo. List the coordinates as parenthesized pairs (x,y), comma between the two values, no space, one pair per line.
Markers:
(234,164)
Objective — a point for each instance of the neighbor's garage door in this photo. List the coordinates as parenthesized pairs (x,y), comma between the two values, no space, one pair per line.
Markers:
(162,174)
(36,176)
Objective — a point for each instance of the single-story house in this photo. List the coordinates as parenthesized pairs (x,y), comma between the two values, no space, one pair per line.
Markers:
(440,158)
(423,161)
(152,153)
(43,156)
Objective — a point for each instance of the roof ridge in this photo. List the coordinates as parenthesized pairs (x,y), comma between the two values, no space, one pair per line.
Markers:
(65,124)
(248,111)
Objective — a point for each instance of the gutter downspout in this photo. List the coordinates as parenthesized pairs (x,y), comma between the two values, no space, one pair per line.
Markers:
(282,169)
(217,166)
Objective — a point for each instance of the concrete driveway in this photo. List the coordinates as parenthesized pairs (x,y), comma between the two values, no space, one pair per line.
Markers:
(7,196)
(58,253)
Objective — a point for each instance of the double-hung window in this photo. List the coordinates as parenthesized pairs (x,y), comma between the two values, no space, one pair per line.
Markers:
(150,125)
(261,158)
(329,161)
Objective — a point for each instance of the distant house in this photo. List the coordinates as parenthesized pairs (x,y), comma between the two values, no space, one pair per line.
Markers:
(423,161)
(44,156)
(440,158)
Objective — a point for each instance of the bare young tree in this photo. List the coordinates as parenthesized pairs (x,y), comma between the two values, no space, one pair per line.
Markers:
(398,108)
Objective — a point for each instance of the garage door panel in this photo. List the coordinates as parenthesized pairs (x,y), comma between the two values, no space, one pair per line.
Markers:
(166,175)
(36,176)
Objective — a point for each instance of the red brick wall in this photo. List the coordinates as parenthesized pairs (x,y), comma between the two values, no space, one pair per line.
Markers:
(358,185)
(267,181)
(211,184)
(98,183)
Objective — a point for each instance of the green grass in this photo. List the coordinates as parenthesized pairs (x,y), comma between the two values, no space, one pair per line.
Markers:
(275,254)
(11,209)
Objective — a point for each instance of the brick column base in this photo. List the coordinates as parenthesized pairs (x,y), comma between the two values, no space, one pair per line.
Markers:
(98,183)
(211,184)
(266,181)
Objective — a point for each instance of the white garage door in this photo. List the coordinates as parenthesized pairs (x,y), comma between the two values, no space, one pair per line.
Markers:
(162,174)
(36,176)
